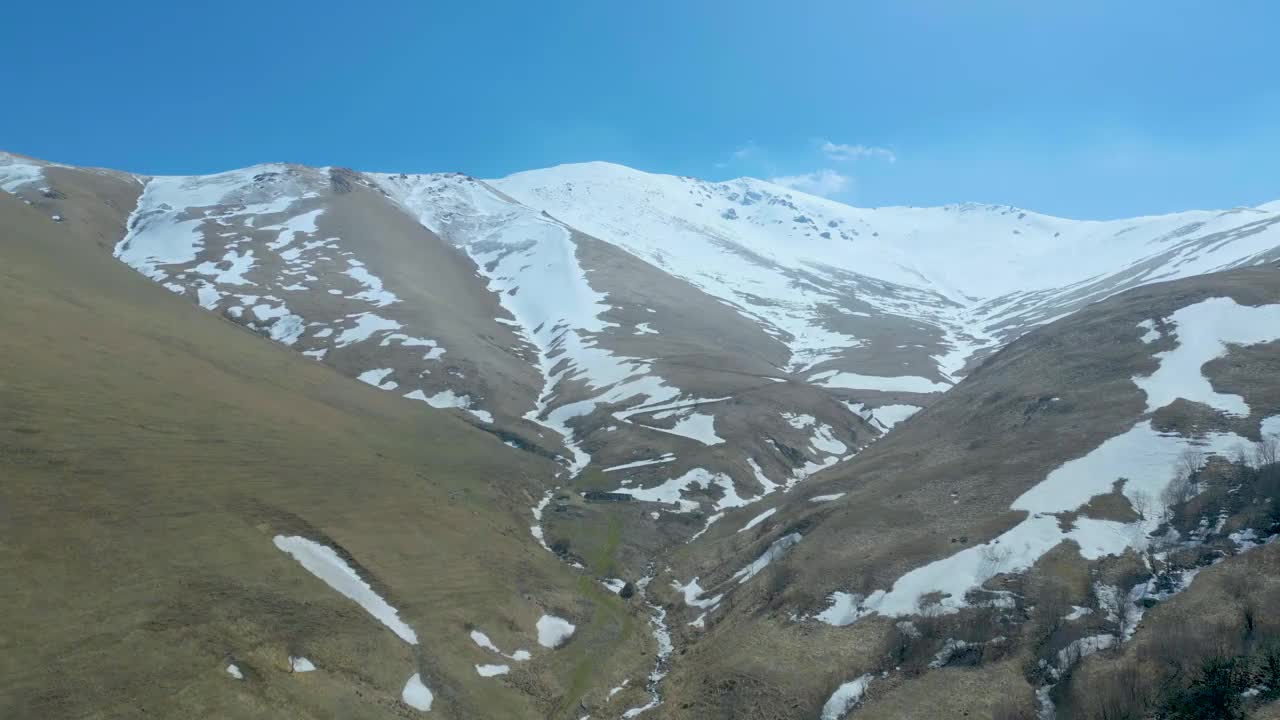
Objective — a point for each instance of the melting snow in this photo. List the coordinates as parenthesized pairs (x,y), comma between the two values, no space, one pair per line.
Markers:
(15,173)
(239,264)
(884,416)
(693,593)
(483,641)
(776,550)
(1082,648)
(157,236)
(825,441)
(553,631)
(289,229)
(1152,334)
(1204,330)
(826,498)
(900,383)
(373,291)
(696,426)
(234,671)
(798,421)
(375,378)
(301,664)
(287,328)
(492,670)
(642,463)
(446,399)
(366,325)
(1077,612)
(671,490)
(324,563)
(416,695)
(536,528)
(758,519)
(434,351)
(846,697)
(1145,457)
(531,265)
(661,636)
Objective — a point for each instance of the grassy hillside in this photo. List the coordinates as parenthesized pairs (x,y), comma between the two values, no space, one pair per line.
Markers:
(150,451)
(940,483)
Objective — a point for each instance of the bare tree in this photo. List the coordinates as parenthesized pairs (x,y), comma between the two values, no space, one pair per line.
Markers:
(1052,604)
(1141,504)
(1191,460)
(1128,615)
(993,560)
(1118,695)
(1266,451)
(1177,492)
(1240,456)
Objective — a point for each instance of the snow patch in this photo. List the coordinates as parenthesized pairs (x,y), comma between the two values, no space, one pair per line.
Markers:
(366,325)
(1147,458)
(417,695)
(301,664)
(776,550)
(553,631)
(1204,331)
(899,383)
(846,697)
(758,519)
(324,563)
(668,457)
(375,378)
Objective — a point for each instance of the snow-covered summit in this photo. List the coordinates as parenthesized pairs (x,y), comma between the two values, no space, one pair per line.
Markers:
(793,260)
(966,250)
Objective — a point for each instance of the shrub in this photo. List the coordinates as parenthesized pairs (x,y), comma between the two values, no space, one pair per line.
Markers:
(1119,695)
(1213,695)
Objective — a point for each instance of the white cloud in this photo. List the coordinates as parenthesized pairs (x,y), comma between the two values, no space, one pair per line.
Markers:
(824,182)
(843,152)
(746,151)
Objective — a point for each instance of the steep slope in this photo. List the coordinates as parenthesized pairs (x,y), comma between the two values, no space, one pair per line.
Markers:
(690,344)
(643,373)
(199,523)
(697,347)
(908,294)
(1048,466)
(687,343)
(440,289)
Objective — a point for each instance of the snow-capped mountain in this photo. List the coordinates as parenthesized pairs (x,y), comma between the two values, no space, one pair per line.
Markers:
(660,352)
(814,272)
(699,344)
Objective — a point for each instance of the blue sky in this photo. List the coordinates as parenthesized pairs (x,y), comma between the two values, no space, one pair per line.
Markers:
(1085,108)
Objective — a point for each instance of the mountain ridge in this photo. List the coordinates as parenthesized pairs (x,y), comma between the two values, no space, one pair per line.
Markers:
(760,411)
(695,301)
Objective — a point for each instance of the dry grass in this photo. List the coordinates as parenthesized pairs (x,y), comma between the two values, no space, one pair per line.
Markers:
(149,452)
(945,480)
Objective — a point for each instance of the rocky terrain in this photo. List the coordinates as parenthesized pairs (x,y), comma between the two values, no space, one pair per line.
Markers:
(623,444)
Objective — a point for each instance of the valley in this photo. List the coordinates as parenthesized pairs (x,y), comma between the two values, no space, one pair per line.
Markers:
(592,442)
